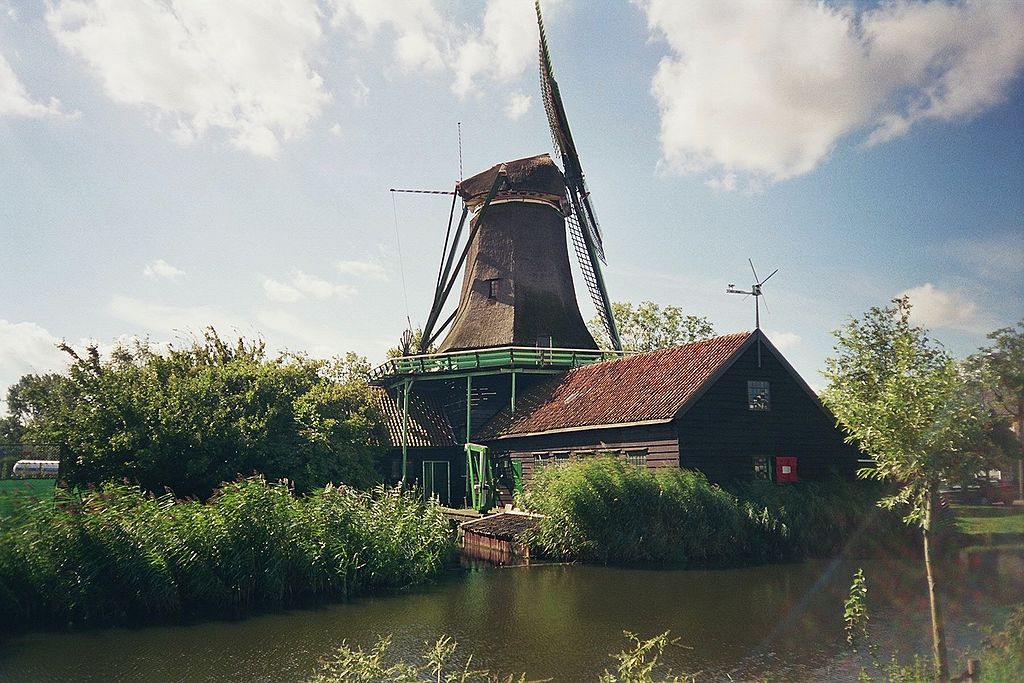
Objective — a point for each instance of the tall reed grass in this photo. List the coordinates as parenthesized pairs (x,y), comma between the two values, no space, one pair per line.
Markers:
(606,510)
(119,554)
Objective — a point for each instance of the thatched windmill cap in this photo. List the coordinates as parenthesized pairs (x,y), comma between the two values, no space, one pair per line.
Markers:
(535,177)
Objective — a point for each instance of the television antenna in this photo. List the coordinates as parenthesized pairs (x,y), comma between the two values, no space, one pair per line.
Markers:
(755,291)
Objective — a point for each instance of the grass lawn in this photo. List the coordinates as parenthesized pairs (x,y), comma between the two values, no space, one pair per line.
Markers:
(989,519)
(18,491)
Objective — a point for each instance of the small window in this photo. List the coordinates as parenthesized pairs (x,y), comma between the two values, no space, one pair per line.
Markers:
(762,470)
(758,395)
(540,460)
(544,342)
(637,457)
(493,288)
(561,456)
(583,455)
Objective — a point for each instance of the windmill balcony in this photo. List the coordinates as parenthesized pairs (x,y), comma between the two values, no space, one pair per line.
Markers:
(489,360)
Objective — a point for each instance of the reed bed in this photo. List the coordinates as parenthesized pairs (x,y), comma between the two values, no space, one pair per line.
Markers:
(606,510)
(118,554)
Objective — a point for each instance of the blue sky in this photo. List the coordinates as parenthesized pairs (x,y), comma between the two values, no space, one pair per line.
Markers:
(167,165)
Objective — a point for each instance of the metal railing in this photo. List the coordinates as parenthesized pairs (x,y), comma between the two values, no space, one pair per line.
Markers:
(493,358)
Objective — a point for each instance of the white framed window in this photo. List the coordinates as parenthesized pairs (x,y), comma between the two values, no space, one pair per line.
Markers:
(758,395)
(762,468)
(637,457)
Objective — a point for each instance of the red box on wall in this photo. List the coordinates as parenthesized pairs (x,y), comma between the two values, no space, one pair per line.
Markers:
(785,468)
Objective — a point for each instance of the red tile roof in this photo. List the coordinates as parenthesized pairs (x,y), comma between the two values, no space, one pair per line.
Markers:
(645,387)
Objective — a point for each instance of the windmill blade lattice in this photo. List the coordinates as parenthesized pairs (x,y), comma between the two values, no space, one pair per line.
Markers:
(561,138)
(582,221)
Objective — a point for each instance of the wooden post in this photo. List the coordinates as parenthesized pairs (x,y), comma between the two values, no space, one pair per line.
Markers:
(405,430)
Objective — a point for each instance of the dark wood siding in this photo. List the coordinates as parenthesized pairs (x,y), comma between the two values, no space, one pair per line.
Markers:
(455,456)
(720,435)
(658,440)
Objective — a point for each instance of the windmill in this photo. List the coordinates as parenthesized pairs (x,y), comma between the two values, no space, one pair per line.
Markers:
(755,291)
(518,321)
(517,285)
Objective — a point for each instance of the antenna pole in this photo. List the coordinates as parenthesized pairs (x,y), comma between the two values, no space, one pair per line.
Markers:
(459,124)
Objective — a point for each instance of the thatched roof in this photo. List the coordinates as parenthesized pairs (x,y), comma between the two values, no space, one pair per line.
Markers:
(533,175)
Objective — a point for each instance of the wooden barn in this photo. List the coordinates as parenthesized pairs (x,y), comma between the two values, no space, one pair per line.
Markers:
(731,407)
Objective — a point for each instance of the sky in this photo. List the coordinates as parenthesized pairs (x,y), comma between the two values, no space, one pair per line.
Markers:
(171,164)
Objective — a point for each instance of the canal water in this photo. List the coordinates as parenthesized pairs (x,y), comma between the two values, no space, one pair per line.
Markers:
(777,622)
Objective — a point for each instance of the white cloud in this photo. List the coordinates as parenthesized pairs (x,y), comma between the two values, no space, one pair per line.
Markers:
(518,105)
(366,269)
(301,285)
(936,308)
(318,341)
(280,291)
(998,257)
(160,269)
(166,319)
(240,66)
(785,341)
(505,46)
(500,50)
(15,100)
(725,183)
(768,88)
(26,348)
(419,33)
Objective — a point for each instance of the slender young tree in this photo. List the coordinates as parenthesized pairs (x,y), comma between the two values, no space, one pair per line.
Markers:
(906,402)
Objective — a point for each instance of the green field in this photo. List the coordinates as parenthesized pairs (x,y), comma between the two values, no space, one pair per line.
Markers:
(15,492)
(980,520)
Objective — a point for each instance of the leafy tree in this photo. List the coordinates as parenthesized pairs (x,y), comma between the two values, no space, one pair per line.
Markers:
(1001,367)
(12,432)
(648,326)
(910,406)
(193,417)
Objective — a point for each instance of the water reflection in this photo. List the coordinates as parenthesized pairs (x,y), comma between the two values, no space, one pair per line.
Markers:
(780,622)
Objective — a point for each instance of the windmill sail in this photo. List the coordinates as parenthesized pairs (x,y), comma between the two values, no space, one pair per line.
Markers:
(583,226)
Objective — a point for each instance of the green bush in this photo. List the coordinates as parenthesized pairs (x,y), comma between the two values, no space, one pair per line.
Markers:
(193,417)
(605,510)
(118,553)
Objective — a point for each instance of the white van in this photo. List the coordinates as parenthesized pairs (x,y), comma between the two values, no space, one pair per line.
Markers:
(35,469)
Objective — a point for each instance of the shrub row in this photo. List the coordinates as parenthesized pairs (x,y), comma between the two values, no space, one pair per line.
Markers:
(606,510)
(117,553)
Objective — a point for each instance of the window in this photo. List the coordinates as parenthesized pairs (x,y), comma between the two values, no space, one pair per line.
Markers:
(758,395)
(583,455)
(762,470)
(637,457)
(544,342)
(492,289)
(540,460)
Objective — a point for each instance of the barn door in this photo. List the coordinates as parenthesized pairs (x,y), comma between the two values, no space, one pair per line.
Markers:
(437,480)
